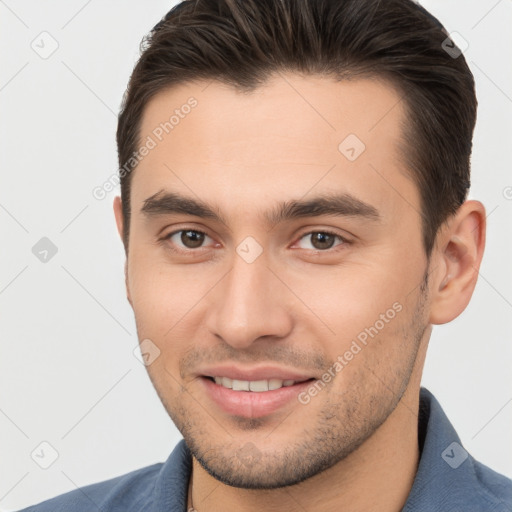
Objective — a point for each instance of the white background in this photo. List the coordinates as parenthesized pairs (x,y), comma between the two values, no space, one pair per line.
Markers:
(67,369)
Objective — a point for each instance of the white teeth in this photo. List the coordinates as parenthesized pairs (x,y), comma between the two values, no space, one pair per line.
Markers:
(257,386)
(227,382)
(275,384)
(240,385)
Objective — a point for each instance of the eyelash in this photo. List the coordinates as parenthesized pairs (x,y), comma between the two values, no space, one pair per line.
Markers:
(197,250)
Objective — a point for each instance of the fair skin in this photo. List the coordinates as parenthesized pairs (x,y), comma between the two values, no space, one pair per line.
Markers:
(299,305)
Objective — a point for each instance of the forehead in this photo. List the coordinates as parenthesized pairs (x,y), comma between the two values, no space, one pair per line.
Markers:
(289,136)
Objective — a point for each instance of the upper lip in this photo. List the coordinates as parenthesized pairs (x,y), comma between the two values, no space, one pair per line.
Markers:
(252,374)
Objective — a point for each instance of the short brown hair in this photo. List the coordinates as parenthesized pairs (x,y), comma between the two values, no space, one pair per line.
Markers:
(242,42)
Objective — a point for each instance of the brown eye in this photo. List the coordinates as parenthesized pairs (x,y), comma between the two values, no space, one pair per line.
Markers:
(192,239)
(185,239)
(320,240)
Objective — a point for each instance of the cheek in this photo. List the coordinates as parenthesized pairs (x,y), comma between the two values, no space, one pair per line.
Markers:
(357,294)
(164,295)
(366,302)
(152,297)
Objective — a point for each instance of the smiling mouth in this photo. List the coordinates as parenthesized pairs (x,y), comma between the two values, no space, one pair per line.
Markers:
(257,386)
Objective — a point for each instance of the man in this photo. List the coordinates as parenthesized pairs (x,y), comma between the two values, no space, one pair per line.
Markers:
(293,208)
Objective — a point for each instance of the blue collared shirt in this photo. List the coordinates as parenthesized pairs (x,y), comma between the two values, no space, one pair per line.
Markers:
(448,479)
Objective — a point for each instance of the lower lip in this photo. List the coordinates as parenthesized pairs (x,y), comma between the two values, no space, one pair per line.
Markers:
(252,404)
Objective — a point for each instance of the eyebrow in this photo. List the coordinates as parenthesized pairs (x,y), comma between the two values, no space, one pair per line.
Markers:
(166,203)
(339,205)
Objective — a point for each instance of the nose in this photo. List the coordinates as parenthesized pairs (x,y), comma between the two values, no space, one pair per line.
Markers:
(249,303)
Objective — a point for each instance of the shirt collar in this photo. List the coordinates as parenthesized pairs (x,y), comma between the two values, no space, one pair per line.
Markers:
(447,476)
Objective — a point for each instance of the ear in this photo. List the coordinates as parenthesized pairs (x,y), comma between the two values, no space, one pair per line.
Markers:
(118,213)
(456,259)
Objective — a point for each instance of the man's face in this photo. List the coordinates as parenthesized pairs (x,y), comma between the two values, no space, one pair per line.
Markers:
(258,282)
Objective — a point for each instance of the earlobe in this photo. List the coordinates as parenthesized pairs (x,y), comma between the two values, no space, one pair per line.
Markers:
(459,253)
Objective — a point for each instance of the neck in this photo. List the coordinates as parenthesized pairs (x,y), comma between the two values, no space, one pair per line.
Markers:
(377,476)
